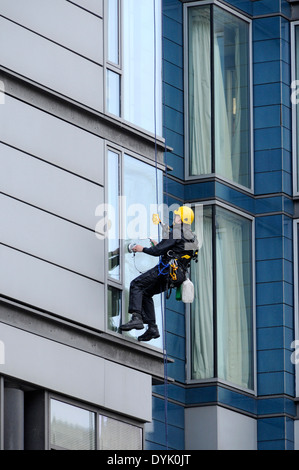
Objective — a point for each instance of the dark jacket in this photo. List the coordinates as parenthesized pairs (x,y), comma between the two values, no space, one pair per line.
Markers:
(180,242)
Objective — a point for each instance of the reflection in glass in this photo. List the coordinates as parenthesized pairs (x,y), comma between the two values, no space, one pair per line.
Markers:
(142,64)
(140,191)
(113,215)
(224,270)
(199,99)
(113,93)
(72,428)
(113,32)
(202,333)
(114,308)
(221,133)
(231,95)
(117,435)
(234,298)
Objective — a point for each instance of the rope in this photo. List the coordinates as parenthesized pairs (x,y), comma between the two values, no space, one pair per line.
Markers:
(163,307)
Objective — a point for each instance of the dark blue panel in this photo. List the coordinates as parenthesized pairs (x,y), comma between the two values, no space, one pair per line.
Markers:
(270,293)
(268,204)
(267,116)
(173,414)
(269,248)
(276,406)
(176,370)
(243,5)
(237,400)
(270,338)
(173,9)
(176,346)
(267,94)
(267,183)
(271,429)
(271,383)
(270,360)
(173,97)
(265,7)
(266,73)
(268,160)
(173,52)
(173,75)
(175,141)
(201,395)
(270,270)
(269,226)
(174,120)
(266,28)
(266,51)
(198,191)
(267,138)
(172,30)
(235,197)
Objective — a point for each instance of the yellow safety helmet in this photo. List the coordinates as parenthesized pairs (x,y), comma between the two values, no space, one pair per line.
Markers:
(186,214)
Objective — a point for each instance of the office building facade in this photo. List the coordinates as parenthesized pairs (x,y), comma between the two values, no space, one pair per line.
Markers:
(111,111)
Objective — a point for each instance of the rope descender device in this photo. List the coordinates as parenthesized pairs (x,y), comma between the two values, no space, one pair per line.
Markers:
(173,268)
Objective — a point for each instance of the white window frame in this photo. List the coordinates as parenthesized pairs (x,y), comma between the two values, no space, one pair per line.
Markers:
(189,177)
(119,69)
(217,380)
(119,284)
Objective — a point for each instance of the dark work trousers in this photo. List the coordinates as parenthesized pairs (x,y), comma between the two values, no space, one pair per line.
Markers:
(144,287)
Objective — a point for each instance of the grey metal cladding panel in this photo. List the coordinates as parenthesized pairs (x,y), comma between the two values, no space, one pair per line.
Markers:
(61,22)
(52,139)
(46,286)
(48,187)
(71,371)
(51,238)
(95,6)
(50,65)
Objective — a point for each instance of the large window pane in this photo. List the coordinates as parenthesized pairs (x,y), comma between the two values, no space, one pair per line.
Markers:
(219,94)
(117,435)
(113,93)
(114,308)
(221,316)
(234,298)
(142,185)
(231,93)
(142,64)
(200,140)
(202,336)
(113,214)
(113,31)
(71,428)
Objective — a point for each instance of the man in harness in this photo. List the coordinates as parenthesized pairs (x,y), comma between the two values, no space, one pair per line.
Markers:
(175,251)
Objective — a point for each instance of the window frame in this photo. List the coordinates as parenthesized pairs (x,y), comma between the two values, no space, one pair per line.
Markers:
(109,282)
(216,380)
(213,174)
(119,69)
(98,411)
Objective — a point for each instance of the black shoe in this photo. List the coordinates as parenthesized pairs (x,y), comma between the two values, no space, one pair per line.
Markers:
(135,323)
(151,333)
